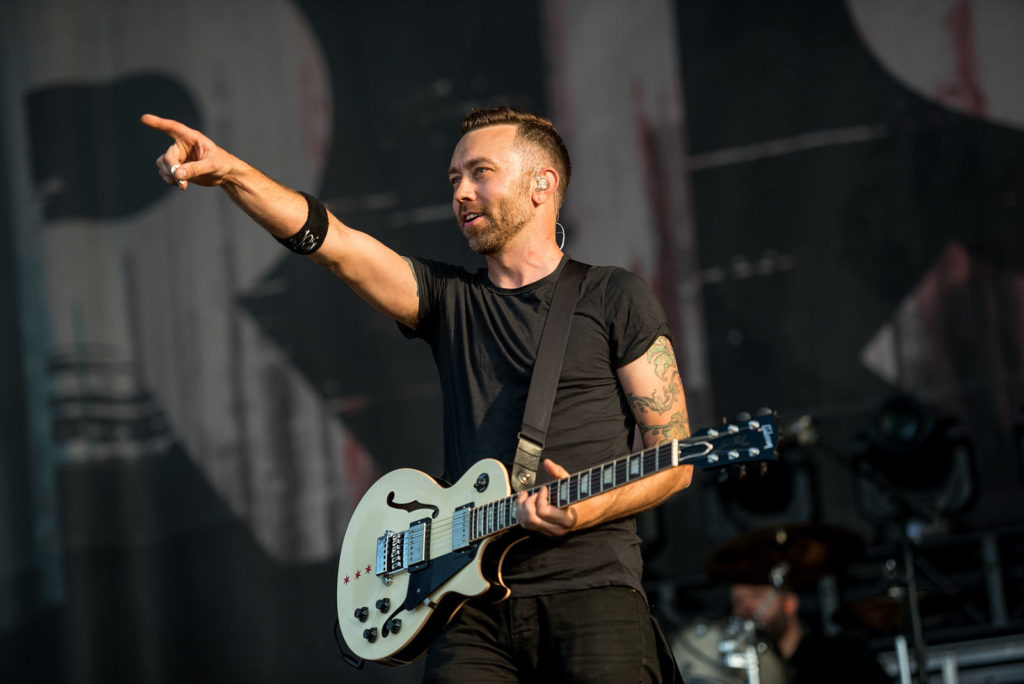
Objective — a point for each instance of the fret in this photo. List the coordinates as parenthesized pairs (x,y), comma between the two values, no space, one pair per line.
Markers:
(513,512)
(490,518)
(563,493)
(634,467)
(620,472)
(650,458)
(584,486)
(574,488)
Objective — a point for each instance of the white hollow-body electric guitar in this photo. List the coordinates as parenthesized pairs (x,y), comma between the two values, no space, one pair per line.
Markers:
(416,550)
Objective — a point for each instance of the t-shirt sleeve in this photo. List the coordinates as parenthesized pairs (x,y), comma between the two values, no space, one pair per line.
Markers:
(635,317)
(432,277)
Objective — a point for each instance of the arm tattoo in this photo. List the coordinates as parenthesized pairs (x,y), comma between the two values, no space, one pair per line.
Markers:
(677,426)
(663,359)
(653,402)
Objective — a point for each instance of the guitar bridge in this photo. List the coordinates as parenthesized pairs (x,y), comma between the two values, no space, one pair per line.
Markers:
(405,550)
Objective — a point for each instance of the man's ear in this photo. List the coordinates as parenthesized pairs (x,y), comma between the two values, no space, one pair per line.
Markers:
(545,184)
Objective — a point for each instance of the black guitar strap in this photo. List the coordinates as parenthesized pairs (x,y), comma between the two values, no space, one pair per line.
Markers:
(540,397)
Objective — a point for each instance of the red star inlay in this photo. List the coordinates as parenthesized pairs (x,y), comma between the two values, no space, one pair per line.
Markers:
(346,579)
(368,569)
(357,574)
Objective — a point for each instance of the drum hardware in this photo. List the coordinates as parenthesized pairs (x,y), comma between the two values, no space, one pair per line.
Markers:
(728,651)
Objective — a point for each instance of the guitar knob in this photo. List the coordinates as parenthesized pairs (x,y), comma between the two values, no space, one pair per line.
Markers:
(370,634)
(362,613)
(394,625)
(383,605)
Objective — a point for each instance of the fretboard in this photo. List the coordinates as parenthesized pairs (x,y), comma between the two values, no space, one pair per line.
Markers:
(500,515)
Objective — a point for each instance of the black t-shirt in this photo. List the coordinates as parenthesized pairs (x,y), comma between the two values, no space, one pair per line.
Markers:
(484,340)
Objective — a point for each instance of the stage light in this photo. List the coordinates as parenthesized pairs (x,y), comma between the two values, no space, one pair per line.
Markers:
(785,492)
(914,463)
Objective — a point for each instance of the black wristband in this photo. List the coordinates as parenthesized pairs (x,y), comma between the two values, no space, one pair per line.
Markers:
(312,234)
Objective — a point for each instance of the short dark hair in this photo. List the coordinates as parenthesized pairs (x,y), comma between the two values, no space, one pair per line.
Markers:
(531,128)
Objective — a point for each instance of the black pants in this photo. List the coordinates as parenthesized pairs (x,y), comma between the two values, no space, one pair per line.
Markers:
(593,635)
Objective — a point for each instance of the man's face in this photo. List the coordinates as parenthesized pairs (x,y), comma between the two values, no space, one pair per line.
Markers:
(490,188)
(760,603)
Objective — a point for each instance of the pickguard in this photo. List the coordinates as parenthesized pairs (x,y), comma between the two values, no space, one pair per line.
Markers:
(423,583)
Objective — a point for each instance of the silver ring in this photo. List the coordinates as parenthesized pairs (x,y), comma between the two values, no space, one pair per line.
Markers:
(180,183)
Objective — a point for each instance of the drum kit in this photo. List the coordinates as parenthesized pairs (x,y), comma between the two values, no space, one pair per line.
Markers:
(735,650)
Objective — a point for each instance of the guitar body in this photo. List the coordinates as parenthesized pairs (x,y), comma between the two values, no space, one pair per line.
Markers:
(391,613)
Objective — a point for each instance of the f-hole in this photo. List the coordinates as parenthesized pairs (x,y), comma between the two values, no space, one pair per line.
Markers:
(412,506)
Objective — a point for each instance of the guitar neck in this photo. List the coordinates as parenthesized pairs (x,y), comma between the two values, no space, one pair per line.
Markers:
(498,516)
(724,446)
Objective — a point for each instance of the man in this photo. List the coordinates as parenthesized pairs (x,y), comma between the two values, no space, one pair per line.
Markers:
(809,658)
(577,609)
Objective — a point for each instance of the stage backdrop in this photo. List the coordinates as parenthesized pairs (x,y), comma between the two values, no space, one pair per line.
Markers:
(828,198)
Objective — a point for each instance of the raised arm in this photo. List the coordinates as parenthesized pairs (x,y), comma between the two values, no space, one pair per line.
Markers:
(655,394)
(374,271)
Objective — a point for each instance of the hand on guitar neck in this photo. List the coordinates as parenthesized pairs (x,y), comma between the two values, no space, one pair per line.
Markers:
(536,513)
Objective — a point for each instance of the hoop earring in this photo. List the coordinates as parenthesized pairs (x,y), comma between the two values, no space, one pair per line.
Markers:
(559,226)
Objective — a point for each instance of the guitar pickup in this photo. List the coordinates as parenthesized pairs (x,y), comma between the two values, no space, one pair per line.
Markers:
(460,527)
(417,544)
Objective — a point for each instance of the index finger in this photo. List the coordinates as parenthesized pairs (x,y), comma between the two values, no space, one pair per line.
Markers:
(555,469)
(175,129)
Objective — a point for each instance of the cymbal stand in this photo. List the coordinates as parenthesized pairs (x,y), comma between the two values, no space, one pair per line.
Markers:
(738,648)
(907,509)
(750,661)
(914,609)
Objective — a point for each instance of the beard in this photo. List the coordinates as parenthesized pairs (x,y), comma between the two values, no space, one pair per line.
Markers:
(499,223)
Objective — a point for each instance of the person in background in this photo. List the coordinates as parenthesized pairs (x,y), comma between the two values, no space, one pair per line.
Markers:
(810,658)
